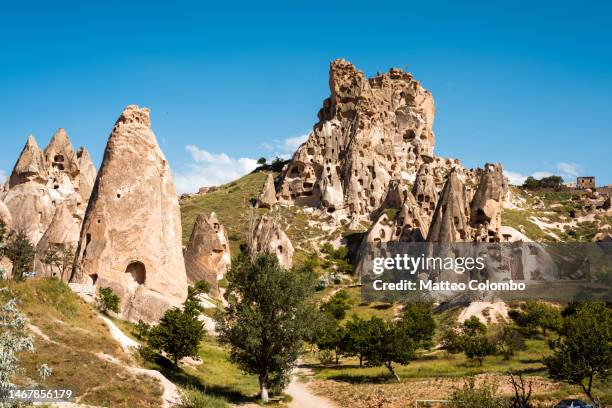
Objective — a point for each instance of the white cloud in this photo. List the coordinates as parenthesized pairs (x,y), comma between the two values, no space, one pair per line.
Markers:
(210,169)
(569,170)
(286,147)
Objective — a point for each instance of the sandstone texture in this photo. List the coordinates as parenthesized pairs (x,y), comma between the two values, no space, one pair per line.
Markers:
(267,198)
(131,235)
(207,255)
(268,236)
(42,181)
(61,239)
(5,216)
(370,131)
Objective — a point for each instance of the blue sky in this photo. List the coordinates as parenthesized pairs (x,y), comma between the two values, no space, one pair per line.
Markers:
(529,85)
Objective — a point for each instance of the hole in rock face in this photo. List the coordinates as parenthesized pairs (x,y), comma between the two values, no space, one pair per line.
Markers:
(58,158)
(137,273)
(93,278)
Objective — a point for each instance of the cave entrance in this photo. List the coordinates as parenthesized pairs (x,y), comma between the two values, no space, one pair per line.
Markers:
(136,274)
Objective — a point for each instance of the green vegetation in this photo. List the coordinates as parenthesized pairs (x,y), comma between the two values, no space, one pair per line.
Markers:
(20,251)
(108,300)
(60,257)
(77,339)
(584,353)
(485,396)
(519,220)
(554,182)
(266,319)
(232,204)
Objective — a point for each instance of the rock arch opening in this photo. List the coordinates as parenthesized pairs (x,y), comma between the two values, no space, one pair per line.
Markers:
(136,274)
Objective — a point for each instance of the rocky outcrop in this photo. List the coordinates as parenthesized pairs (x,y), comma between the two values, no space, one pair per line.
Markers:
(55,250)
(5,216)
(31,165)
(267,198)
(450,219)
(42,181)
(268,236)
(426,193)
(207,255)
(370,131)
(131,235)
(62,160)
(32,206)
(87,176)
(487,204)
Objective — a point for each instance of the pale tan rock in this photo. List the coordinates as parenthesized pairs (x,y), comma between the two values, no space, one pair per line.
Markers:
(268,236)
(487,204)
(131,235)
(5,216)
(450,220)
(6,268)
(87,176)
(426,192)
(62,161)
(207,253)
(267,198)
(32,207)
(62,236)
(370,131)
(31,165)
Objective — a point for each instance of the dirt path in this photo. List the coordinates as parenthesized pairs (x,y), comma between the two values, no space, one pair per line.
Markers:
(302,395)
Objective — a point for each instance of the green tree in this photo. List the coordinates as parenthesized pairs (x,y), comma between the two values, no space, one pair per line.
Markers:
(388,343)
(337,305)
(356,337)
(108,300)
(540,315)
(180,330)
(261,161)
(330,336)
(583,353)
(474,342)
(555,182)
(531,183)
(267,317)
(419,323)
(509,340)
(59,256)
(21,252)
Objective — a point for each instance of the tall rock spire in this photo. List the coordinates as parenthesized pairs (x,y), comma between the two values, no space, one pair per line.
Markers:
(131,235)
(450,219)
(87,176)
(30,166)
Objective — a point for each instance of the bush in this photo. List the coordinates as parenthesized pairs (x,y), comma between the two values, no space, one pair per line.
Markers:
(192,398)
(107,300)
(483,397)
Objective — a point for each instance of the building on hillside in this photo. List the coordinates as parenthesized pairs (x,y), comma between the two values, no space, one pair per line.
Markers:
(585,182)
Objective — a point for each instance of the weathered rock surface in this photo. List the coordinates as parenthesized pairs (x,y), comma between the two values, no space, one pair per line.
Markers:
(31,165)
(370,131)
(268,236)
(450,219)
(87,176)
(5,216)
(487,204)
(267,198)
(207,255)
(131,235)
(62,236)
(32,207)
(42,181)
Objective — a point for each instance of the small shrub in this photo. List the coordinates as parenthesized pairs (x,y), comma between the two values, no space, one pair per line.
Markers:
(108,300)
(482,397)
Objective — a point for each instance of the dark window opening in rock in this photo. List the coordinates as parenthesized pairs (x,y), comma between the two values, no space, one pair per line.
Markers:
(137,271)
(118,195)
(58,158)
(310,151)
(420,198)
(55,186)
(480,212)
(93,278)
(280,249)
(294,172)
(307,184)
(59,166)
(99,221)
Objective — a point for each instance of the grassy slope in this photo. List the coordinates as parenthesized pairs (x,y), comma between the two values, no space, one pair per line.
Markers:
(79,334)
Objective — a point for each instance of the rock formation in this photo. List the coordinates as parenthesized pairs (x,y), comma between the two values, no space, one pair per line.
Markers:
(267,198)
(5,216)
(31,165)
(269,237)
(370,131)
(487,204)
(207,255)
(88,173)
(450,219)
(131,235)
(61,238)
(42,181)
